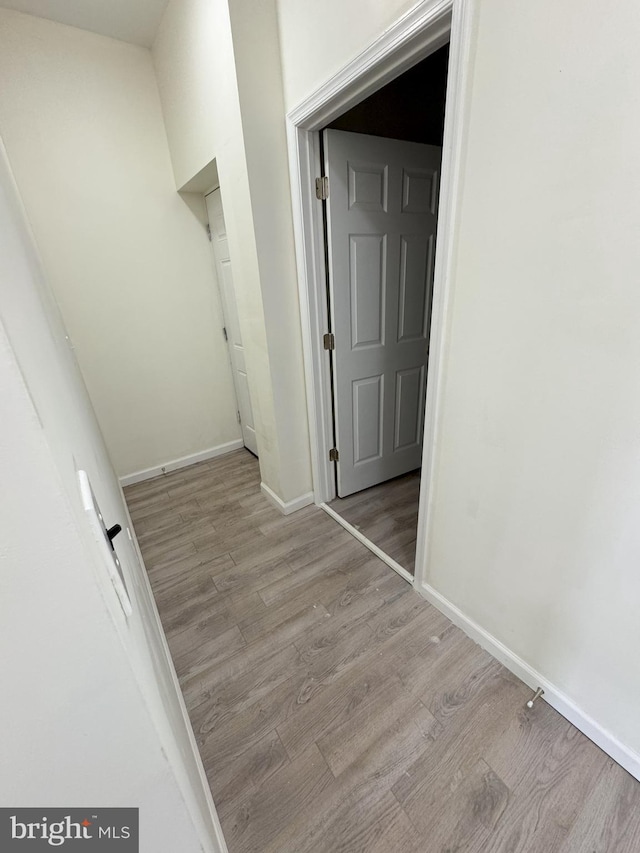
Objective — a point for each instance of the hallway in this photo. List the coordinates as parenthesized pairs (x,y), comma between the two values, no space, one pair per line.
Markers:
(335,709)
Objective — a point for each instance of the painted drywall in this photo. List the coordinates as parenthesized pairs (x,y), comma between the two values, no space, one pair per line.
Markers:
(193,57)
(219,78)
(127,258)
(318,39)
(91,695)
(135,22)
(535,531)
(259,74)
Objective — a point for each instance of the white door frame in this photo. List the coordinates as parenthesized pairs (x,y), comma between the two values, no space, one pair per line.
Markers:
(424,29)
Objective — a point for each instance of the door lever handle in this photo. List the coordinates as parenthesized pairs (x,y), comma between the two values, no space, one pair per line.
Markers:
(112,532)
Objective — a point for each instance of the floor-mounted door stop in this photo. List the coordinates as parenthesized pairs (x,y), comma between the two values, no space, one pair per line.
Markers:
(539,692)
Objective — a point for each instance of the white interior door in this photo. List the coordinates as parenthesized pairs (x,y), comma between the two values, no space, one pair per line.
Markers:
(232,324)
(381,226)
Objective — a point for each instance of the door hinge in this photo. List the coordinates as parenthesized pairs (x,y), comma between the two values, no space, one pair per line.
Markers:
(334,456)
(329,341)
(209,231)
(238,413)
(224,332)
(322,188)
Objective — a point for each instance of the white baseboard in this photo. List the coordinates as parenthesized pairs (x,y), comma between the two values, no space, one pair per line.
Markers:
(624,756)
(369,544)
(286,508)
(183,462)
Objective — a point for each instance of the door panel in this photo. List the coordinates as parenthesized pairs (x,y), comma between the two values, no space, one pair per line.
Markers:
(381,223)
(415,276)
(367,280)
(419,190)
(367,186)
(232,323)
(367,419)
(410,385)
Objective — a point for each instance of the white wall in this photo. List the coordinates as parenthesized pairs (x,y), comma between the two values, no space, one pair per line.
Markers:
(535,527)
(318,39)
(258,68)
(536,532)
(87,694)
(129,262)
(219,77)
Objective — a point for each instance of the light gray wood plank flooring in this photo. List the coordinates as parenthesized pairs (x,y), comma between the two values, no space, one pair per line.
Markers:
(336,710)
(387,514)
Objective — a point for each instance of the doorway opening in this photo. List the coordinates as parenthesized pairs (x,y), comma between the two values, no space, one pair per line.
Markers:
(231,330)
(381,160)
(419,34)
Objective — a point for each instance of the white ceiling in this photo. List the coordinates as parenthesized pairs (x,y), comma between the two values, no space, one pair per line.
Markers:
(135,21)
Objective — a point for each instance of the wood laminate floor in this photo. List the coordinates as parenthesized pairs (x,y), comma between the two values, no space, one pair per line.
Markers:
(387,514)
(336,710)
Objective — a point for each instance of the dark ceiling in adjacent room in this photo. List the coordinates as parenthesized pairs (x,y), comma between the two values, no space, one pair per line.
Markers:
(411,107)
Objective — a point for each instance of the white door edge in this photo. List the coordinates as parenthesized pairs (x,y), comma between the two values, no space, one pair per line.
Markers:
(420,32)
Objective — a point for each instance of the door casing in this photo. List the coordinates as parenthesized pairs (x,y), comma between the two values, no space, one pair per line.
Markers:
(424,29)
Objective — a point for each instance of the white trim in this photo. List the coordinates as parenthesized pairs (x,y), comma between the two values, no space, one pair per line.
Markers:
(624,756)
(183,462)
(404,574)
(286,508)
